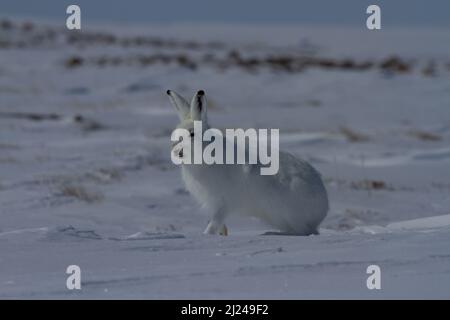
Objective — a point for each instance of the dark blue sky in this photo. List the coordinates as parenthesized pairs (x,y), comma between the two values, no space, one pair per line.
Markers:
(330,12)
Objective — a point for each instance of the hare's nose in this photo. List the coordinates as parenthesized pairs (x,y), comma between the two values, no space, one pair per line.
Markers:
(201,93)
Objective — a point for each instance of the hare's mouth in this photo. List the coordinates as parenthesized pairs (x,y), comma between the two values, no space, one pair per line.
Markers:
(177,149)
(178,153)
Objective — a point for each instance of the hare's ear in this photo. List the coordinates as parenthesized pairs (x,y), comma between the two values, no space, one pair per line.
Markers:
(198,106)
(180,104)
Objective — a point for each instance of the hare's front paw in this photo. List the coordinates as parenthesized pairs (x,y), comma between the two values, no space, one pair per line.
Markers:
(214,228)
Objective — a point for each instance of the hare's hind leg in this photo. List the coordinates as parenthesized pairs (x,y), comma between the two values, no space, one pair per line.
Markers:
(223,231)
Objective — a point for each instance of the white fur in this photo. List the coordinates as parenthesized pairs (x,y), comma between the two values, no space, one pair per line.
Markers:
(293,201)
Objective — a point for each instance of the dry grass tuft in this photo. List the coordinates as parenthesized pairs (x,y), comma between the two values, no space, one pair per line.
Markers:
(80,193)
(425,136)
(352,135)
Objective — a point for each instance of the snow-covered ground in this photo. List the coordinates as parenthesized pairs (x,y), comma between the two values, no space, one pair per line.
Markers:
(86,176)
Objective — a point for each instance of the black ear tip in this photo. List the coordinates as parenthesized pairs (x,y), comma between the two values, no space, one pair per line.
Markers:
(168,92)
(201,93)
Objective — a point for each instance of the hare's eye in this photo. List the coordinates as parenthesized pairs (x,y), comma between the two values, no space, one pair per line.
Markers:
(192,133)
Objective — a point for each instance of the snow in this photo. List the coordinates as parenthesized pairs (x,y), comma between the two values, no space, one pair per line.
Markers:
(100,191)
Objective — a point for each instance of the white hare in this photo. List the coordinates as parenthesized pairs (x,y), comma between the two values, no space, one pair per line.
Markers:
(293,201)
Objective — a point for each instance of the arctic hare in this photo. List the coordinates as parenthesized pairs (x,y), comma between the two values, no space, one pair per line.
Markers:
(293,201)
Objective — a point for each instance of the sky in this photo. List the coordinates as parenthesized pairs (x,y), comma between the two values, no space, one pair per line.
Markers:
(407,13)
